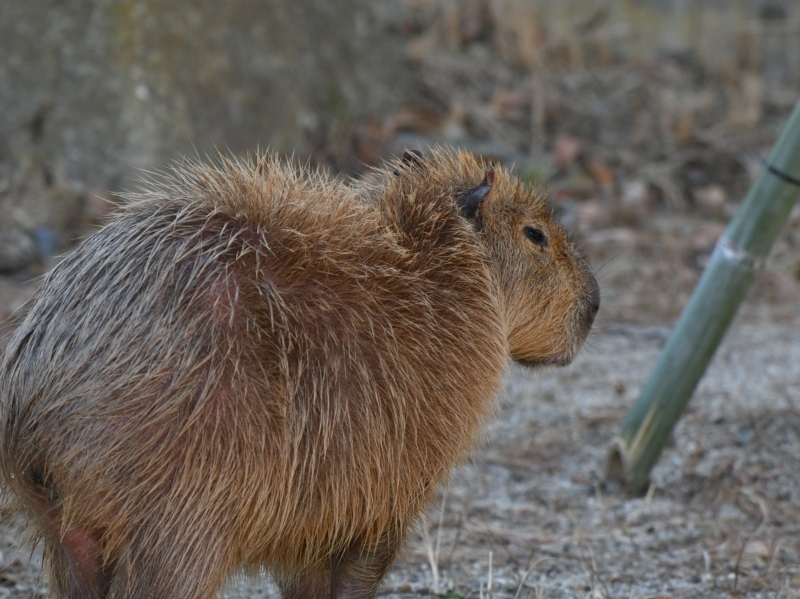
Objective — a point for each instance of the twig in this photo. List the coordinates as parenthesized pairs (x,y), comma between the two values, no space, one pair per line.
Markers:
(762,505)
(489,583)
(457,536)
(597,576)
(772,555)
(525,576)
(651,491)
(438,540)
(736,567)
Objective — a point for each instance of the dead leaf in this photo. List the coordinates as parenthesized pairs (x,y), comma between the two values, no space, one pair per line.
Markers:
(566,151)
(601,173)
(412,118)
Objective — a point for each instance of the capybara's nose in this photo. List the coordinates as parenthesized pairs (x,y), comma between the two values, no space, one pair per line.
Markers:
(594,305)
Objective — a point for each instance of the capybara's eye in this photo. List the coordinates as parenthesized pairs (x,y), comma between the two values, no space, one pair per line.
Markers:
(536,236)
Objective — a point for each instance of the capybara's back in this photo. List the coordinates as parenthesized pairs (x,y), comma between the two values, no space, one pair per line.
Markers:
(255,366)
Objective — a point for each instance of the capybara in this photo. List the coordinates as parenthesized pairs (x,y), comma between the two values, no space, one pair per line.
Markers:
(255,366)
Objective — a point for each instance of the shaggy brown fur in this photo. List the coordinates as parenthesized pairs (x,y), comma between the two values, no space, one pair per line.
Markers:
(257,366)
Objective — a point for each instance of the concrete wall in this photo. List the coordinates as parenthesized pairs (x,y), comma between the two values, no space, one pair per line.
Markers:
(98,87)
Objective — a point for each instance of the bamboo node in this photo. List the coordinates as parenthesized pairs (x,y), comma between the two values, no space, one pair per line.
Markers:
(733,253)
(779,173)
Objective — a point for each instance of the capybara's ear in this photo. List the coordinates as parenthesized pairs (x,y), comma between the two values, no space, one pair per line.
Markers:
(469,202)
(411,159)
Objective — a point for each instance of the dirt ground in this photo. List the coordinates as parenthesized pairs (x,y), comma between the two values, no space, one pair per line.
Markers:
(645,164)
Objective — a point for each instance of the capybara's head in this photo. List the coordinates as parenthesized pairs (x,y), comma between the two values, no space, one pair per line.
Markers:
(548,293)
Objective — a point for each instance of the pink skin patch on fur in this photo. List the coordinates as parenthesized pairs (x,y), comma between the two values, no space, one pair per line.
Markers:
(84,559)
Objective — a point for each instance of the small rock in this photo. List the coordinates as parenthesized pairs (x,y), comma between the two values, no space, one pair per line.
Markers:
(728,511)
(745,436)
(711,198)
(17,250)
(637,200)
(757,547)
(634,194)
(46,242)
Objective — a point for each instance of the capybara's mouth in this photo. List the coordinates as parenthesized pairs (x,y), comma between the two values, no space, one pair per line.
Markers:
(565,357)
(556,360)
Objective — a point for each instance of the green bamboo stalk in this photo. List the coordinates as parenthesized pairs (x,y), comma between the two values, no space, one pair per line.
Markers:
(740,253)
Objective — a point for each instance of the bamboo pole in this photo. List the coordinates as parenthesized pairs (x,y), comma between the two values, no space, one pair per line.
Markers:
(738,256)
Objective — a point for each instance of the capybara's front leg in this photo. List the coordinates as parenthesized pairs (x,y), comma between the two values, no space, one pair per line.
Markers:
(312,583)
(359,574)
(76,567)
